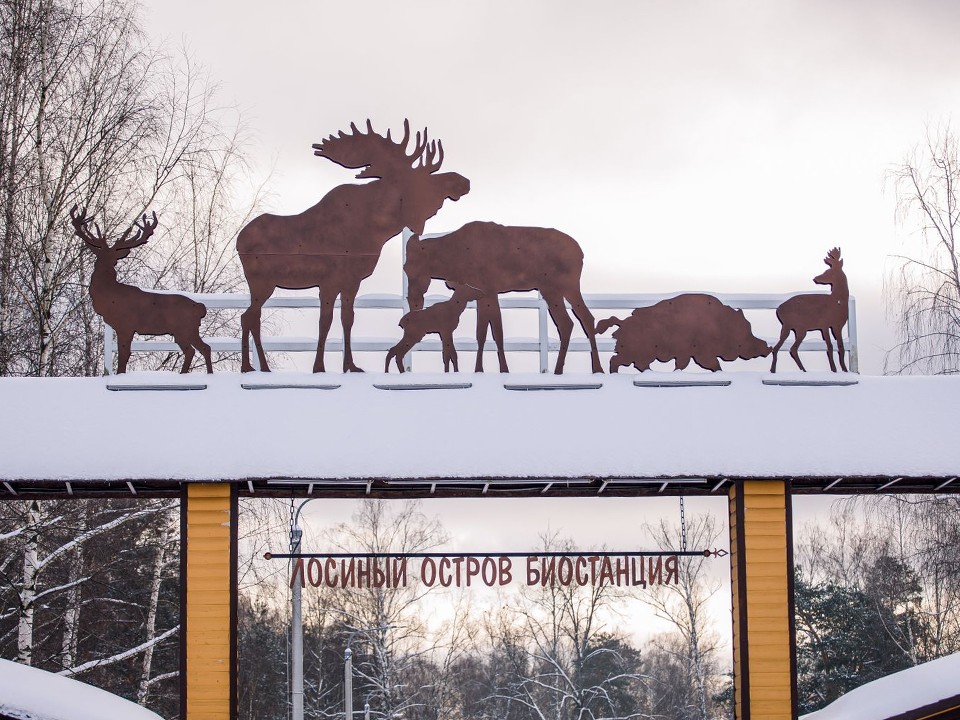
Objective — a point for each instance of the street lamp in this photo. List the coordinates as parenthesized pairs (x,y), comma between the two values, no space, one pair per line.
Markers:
(296,622)
(348,681)
(296,635)
(348,675)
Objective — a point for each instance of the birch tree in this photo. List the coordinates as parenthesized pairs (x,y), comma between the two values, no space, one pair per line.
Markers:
(924,290)
(35,562)
(385,626)
(160,564)
(684,605)
(566,664)
(79,592)
(91,114)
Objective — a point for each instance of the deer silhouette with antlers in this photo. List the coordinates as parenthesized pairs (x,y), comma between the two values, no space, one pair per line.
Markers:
(826,313)
(336,244)
(130,310)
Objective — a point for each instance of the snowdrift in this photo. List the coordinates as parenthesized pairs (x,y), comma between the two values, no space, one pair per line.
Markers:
(27,693)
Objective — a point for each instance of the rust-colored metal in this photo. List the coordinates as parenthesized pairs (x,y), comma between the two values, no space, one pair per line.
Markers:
(688,327)
(494,259)
(130,310)
(441,318)
(827,313)
(335,244)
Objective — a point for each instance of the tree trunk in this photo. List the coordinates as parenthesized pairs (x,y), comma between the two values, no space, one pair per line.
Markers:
(71,618)
(11,130)
(45,366)
(696,656)
(151,625)
(28,592)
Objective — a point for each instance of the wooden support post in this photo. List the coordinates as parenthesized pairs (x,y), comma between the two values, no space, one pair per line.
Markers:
(761,574)
(208,604)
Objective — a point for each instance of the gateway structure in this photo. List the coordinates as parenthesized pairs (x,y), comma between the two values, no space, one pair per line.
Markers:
(754,438)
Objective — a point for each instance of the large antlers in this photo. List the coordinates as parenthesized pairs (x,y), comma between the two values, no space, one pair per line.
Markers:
(379,155)
(81,226)
(144,232)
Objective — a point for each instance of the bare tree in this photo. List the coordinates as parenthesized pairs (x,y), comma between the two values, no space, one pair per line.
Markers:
(36,560)
(685,605)
(565,664)
(910,542)
(81,592)
(385,626)
(924,290)
(91,114)
(161,563)
(212,198)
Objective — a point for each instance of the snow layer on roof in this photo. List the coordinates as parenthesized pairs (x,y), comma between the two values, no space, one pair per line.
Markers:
(75,428)
(896,694)
(30,694)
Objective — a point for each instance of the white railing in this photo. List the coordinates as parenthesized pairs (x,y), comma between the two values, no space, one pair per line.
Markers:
(543,344)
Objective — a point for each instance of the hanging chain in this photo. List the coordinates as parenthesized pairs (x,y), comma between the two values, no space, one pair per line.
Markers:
(291,522)
(683,527)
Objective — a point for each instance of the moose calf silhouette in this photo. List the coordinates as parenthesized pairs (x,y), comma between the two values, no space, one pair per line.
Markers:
(441,318)
(495,258)
(826,313)
(128,309)
(335,244)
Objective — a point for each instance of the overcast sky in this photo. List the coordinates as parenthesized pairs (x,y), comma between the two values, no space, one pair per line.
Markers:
(699,145)
(706,145)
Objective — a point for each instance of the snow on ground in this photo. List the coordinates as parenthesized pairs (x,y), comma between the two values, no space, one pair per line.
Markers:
(895,694)
(27,693)
(75,428)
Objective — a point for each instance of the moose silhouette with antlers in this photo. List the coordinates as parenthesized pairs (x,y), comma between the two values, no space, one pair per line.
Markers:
(130,310)
(495,258)
(826,313)
(336,244)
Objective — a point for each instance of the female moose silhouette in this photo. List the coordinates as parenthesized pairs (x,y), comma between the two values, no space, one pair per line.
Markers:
(335,244)
(496,258)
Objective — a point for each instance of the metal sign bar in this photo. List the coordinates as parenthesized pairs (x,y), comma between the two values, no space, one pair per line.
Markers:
(573,553)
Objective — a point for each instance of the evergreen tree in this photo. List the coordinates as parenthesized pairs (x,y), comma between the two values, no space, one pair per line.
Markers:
(842,641)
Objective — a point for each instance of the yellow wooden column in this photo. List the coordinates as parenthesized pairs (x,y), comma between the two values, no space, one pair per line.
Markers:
(208,563)
(761,574)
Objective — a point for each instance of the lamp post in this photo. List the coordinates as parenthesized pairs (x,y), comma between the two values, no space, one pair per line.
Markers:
(348,682)
(296,635)
(348,675)
(296,622)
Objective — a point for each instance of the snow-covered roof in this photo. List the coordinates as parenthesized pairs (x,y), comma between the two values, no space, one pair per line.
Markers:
(78,429)
(27,693)
(916,692)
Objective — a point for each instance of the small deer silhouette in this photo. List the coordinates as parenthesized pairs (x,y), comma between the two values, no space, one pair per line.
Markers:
(128,309)
(441,318)
(826,313)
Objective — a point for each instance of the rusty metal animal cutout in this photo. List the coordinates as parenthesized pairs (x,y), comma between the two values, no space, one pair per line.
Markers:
(336,244)
(826,313)
(441,318)
(688,327)
(494,259)
(130,310)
